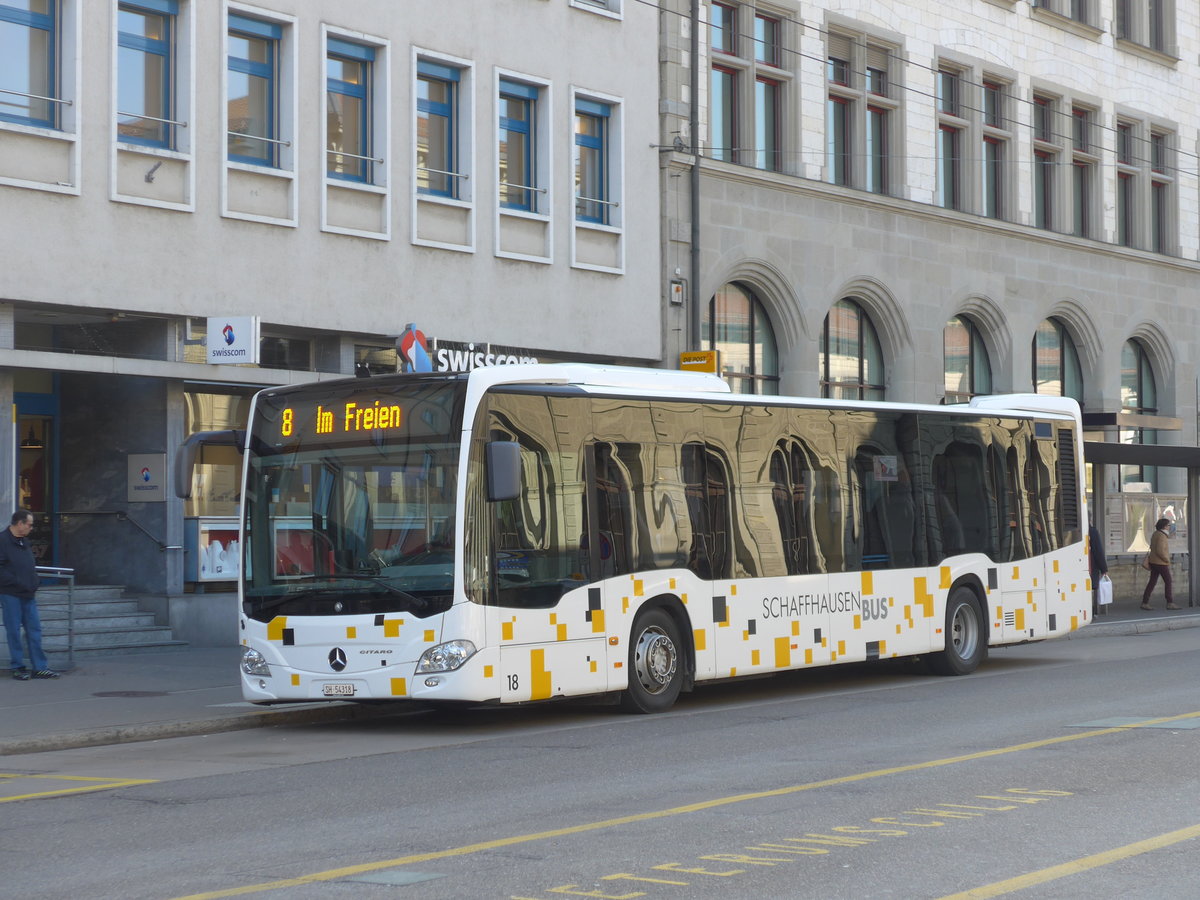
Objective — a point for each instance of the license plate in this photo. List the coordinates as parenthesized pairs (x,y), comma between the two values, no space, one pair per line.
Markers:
(338,690)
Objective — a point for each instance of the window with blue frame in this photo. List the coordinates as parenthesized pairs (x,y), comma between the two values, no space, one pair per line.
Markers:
(28,81)
(437,138)
(252,98)
(348,111)
(145,60)
(592,202)
(517,149)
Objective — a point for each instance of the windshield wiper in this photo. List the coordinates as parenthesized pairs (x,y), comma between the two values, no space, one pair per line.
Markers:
(419,604)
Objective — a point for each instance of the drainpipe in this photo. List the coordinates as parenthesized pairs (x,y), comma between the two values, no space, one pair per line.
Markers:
(694,125)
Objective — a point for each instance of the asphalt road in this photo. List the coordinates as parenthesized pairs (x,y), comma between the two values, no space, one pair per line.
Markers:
(1065,769)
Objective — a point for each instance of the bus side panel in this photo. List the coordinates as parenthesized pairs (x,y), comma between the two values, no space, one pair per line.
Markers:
(1070,591)
(771,624)
(559,651)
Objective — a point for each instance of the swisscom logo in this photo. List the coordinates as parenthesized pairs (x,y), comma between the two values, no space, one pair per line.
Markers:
(228,350)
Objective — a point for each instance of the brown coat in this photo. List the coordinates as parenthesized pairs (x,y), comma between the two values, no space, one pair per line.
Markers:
(1160,553)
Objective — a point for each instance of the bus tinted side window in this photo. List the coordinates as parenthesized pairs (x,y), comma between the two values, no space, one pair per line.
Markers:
(887,530)
(537,539)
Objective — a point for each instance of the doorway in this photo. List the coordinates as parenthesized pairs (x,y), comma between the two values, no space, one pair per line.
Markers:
(37,484)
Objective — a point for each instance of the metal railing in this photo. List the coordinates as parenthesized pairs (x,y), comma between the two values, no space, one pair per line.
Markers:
(67,576)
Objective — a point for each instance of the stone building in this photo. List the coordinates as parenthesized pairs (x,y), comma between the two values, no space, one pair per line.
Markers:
(924,201)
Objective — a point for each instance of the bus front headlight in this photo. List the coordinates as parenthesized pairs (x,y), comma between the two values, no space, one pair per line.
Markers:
(254,663)
(445,657)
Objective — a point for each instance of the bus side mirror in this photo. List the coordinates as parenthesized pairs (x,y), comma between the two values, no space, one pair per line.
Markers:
(503,470)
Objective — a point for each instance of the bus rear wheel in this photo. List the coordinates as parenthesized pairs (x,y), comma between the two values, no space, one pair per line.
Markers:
(656,665)
(966,637)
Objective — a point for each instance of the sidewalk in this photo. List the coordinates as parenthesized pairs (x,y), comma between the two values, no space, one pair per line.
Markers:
(144,697)
(192,691)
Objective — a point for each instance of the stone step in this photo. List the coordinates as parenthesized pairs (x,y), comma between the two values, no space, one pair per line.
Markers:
(127,619)
(82,592)
(106,623)
(111,636)
(54,612)
(59,658)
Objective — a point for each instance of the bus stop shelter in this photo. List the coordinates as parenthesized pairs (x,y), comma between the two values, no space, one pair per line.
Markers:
(1103,453)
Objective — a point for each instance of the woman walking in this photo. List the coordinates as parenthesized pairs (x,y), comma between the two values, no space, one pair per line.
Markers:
(1158,561)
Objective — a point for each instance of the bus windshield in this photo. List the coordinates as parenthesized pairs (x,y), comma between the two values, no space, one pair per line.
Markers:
(349,502)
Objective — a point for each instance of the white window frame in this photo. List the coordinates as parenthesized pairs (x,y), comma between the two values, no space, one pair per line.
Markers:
(612,9)
(615,159)
(69,83)
(381,131)
(465,144)
(183,104)
(543,147)
(287,98)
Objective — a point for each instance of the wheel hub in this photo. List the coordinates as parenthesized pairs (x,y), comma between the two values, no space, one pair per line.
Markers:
(656,659)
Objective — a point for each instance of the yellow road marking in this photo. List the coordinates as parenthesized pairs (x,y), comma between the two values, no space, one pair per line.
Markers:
(468,849)
(1074,867)
(93,784)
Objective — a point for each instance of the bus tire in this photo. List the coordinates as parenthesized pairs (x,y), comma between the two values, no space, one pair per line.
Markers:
(966,635)
(656,663)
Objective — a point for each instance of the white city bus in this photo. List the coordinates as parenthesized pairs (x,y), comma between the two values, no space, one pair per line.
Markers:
(529,532)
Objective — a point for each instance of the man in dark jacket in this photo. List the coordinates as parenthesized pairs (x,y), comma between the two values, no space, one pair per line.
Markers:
(18,585)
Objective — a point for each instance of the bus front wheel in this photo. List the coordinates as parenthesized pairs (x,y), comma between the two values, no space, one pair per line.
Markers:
(966,636)
(656,665)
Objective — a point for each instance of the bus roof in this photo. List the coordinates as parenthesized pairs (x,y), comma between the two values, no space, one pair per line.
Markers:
(675,384)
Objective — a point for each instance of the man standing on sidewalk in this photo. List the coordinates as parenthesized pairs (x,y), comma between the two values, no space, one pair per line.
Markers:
(18,585)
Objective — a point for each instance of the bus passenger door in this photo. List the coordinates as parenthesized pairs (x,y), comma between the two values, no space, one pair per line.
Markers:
(552,642)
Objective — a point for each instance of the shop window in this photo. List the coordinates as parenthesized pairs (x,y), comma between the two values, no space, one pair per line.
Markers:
(851,358)
(1139,394)
(968,370)
(1056,368)
(737,326)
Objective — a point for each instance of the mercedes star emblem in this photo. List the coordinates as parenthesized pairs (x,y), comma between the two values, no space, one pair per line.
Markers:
(337,659)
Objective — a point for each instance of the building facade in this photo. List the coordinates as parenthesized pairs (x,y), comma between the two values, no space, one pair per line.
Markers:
(328,172)
(921,202)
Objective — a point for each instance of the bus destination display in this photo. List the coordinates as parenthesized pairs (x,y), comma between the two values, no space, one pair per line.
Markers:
(354,416)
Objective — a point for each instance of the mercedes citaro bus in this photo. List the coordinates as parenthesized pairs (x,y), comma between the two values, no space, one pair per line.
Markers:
(528,532)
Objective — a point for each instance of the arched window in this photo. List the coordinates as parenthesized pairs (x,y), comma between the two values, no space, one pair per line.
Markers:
(737,325)
(1056,370)
(1139,394)
(967,368)
(851,360)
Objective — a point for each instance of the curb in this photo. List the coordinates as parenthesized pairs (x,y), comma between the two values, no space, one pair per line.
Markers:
(309,714)
(1132,626)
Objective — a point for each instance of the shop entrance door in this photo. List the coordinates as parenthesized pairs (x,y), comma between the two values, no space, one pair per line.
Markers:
(36,488)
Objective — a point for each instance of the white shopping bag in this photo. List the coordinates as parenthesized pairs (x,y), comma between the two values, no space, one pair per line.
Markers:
(1104,591)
